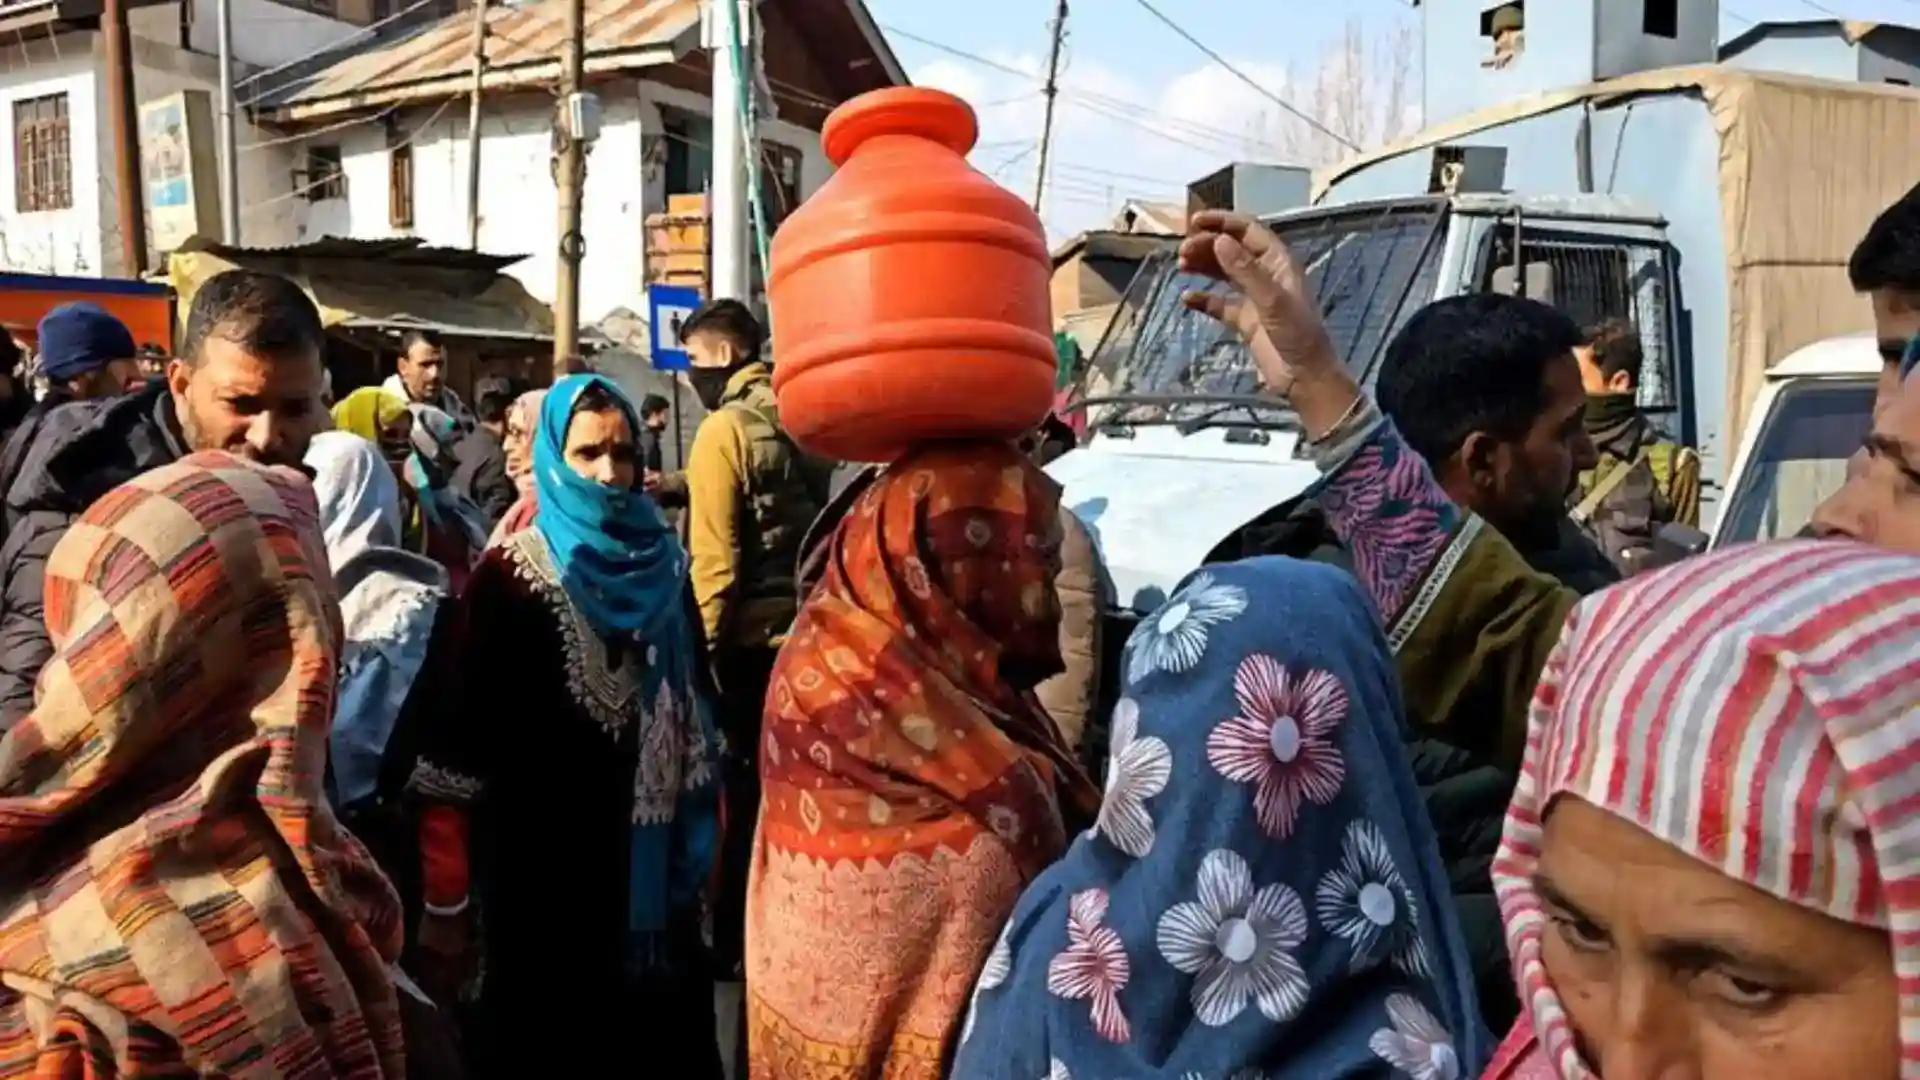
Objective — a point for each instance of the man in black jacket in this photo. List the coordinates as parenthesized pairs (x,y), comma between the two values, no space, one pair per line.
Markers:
(247,380)
(480,456)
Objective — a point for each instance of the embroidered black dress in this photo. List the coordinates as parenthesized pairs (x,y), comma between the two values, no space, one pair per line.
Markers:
(547,741)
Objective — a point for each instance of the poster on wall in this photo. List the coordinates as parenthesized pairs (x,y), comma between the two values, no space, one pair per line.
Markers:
(177,161)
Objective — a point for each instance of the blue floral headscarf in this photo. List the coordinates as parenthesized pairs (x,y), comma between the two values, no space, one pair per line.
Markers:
(1262,895)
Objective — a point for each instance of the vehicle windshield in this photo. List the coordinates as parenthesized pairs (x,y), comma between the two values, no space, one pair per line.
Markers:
(1369,268)
(1800,458)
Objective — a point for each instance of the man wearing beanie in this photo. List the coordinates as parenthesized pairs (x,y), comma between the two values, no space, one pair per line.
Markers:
(87,353)
(245,378)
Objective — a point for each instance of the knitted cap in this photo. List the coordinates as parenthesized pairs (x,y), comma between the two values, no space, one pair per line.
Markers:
(80,337)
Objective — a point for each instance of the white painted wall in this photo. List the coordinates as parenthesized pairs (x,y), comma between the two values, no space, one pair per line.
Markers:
(265,33)
(85,239)
(518,208)
(53,241)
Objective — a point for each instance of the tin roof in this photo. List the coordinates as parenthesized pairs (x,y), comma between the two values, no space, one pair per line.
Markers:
(524,47)
(393,284)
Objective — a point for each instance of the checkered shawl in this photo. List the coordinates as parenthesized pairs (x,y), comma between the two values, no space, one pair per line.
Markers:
(176,891)
(1757,708)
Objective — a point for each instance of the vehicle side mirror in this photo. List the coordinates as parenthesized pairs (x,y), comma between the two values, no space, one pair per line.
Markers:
(1674,543)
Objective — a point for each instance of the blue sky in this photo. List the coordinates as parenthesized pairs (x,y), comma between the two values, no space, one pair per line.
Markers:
(1143,112)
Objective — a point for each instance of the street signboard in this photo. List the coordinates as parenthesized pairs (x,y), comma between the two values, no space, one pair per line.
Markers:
(667,307)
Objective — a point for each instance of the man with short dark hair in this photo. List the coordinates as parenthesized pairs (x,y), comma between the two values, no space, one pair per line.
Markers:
(1885,267)
(654,413)
(246,380)
(480,456)
(420,376)
(1643,479)
(1486,388)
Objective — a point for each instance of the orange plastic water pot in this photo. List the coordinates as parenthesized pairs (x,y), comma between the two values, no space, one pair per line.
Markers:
(909,294)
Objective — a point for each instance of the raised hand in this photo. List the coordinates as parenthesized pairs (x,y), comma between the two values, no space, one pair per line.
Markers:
(1273,312)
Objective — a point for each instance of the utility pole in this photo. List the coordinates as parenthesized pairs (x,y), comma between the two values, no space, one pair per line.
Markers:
(1052,91)
(124,124)
(473,123)
(569,177)
(730,26)
(229,147)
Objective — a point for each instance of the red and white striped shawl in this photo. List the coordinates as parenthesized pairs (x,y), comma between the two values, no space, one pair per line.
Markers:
(1757,708)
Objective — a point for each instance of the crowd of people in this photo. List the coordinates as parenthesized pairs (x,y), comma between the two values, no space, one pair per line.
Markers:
(397,736)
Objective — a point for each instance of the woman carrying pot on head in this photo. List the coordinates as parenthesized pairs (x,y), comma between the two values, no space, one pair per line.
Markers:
(912,783)
(575,771)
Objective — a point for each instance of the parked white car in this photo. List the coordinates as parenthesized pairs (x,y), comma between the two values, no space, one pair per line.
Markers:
(1810,417)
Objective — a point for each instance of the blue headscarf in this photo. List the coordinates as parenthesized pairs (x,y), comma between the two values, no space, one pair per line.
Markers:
(1262,895)
(621,562)
(624,569)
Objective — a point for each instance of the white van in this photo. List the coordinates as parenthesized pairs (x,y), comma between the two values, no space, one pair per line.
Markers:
(1812,413)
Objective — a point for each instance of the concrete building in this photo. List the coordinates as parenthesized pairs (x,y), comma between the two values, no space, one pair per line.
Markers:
(57,199)
(1845,49)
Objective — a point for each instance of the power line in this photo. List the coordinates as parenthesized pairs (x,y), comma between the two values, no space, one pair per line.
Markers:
(1245,78)
(1052,91)
(329,47)
(1087,97)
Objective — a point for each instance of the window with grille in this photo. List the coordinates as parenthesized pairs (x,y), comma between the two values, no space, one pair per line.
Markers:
(779,182)
(1596,278)
(42,154)
(400,184)
(326,176)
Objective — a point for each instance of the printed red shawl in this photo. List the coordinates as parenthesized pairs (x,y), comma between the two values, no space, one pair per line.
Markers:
(913,785)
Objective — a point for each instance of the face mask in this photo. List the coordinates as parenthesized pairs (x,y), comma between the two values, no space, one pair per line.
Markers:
(710,383)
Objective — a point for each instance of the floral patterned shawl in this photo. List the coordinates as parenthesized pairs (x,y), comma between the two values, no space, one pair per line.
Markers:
(1262,894)
(912,783)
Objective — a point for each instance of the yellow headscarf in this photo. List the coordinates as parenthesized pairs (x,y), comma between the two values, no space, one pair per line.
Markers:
(367,411)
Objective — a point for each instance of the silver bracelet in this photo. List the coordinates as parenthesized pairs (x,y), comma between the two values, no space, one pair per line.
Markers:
(449,910)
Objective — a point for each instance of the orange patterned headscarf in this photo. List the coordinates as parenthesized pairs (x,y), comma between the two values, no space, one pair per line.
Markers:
(176,887)
(919,650)
(912,783)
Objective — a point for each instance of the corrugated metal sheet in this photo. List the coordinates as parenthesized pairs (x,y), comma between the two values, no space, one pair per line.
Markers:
(393,284)
(399,251)
(524,44)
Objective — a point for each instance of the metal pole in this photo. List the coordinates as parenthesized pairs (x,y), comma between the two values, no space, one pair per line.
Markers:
(473,123)
(728,204)
(566,299)
(1052,90)
(229,147)
(124,127)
